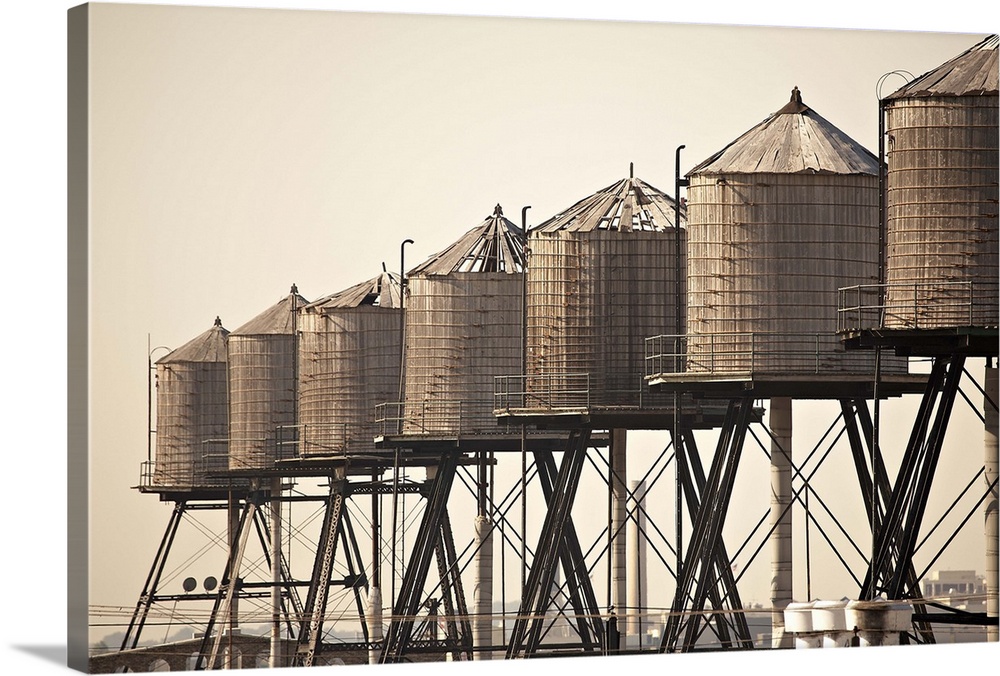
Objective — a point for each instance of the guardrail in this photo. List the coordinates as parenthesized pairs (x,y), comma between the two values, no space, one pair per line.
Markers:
(546,392)
(750,352)
(449,417)
(192,472)
(313,440)
(918,305)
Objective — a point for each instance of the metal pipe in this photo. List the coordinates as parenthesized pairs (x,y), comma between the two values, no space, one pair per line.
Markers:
(402,316)
(680,467)
(149,398)
(881,193)
(524,373)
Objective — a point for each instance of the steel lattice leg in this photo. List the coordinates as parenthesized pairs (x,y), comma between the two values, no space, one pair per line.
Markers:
(698,575)
(896,536)
(557,545)
(411,592)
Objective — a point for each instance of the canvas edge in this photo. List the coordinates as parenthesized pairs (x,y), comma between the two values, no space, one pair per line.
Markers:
(77,255)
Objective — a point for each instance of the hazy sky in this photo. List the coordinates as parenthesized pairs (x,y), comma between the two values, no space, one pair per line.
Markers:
(236,152)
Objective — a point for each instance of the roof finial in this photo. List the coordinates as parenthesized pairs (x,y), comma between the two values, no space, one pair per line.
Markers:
(218,322)
(295,289)
(498,211)
(631,169)
(794,105)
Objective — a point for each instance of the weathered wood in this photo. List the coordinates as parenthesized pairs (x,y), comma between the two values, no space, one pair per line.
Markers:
(192,412)
(461,331)
(792,140)
(348,364)
(778,221)
(262,365)
(600,281)
(942,195)
(971,73)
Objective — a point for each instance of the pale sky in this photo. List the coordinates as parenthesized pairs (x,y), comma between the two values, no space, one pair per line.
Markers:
(236,152)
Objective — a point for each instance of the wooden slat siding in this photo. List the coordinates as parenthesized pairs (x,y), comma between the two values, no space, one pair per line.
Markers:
(462,330)
(593,299)
(262,383)
(348,364)
(596,290)
(192,407)
(942,209)
(767,254)
(262,395)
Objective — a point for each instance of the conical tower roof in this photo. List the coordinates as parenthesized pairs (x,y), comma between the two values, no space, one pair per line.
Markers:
(628,205)
(277,319)
(495,245)
(971,73)
(794,140)
(208,347)
(380,291)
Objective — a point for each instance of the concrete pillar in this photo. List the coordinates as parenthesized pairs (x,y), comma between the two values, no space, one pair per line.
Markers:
(374,617)
(637,623)
(990,507)
(781,518)
(482,590)
(617,525)
(274,657)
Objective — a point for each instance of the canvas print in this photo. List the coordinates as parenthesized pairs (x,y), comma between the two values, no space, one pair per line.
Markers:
(421,339)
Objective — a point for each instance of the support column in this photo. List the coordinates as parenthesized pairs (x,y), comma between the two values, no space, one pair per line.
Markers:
(781,518)
(374,624)
(637,595)
(274,658)
(990,508)
(617,525)
(482,591)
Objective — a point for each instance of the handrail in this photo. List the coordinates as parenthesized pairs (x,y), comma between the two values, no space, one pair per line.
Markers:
(547,391)
(916,305)
(798,353)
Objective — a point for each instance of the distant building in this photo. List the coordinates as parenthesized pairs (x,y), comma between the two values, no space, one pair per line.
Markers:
(963,590)
(960,589)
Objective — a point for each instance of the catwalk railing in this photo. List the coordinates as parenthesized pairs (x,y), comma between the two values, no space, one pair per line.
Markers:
(920,305)
(737,353)
(450,418)
(199,469)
